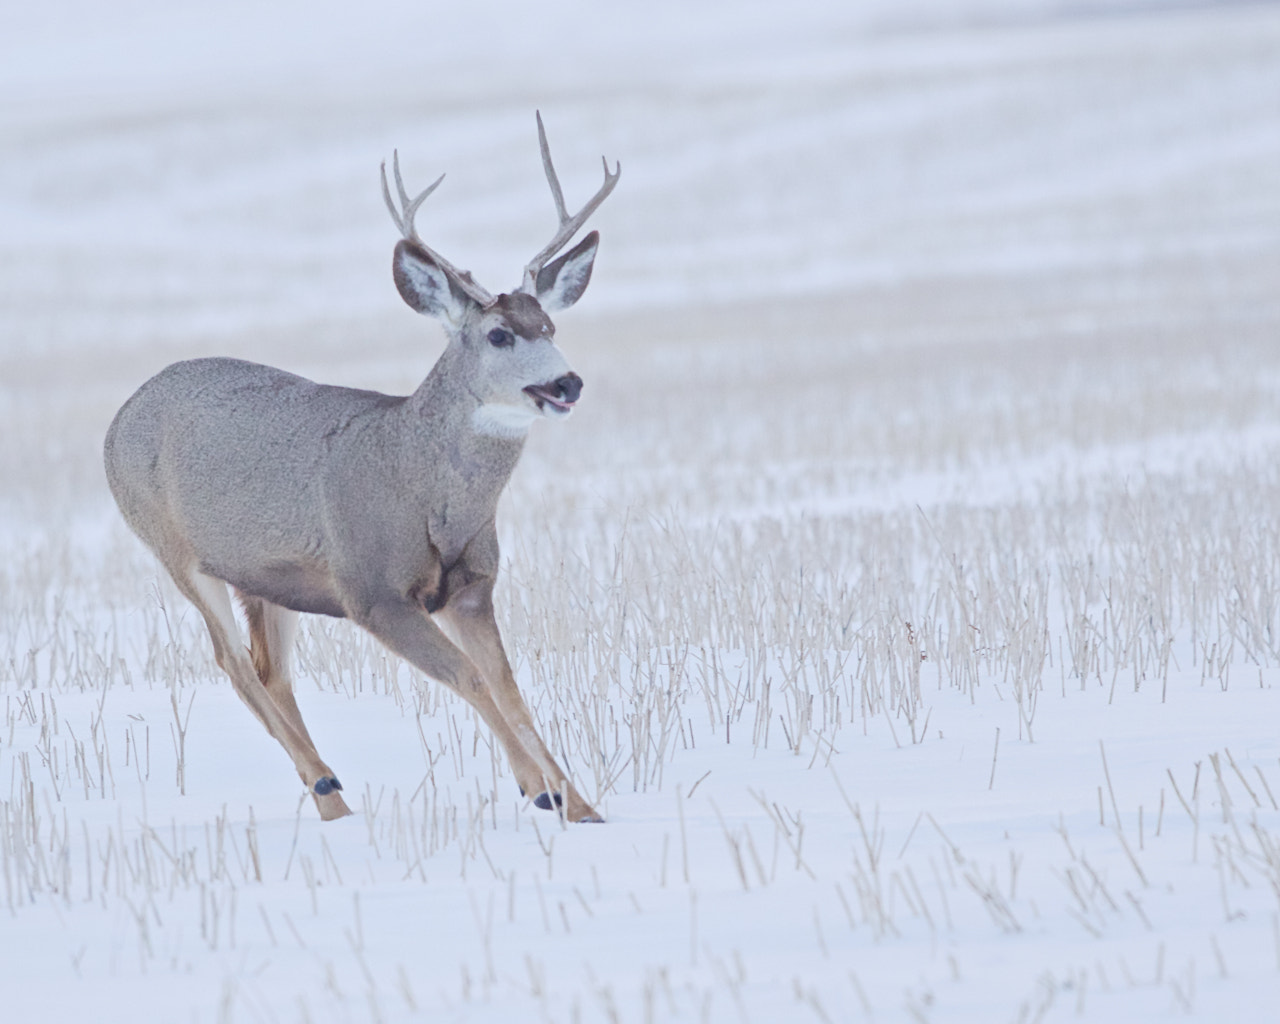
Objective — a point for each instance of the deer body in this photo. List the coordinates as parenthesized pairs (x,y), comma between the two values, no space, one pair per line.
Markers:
(304,497)
(309,496)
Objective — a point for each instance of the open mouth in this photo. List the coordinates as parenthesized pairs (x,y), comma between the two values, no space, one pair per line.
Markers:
(548,400)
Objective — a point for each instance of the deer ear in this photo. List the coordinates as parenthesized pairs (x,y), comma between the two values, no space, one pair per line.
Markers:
(561,284)
(425,285)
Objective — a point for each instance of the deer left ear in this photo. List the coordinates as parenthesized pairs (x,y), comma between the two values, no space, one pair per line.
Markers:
(561,284)
(426,286)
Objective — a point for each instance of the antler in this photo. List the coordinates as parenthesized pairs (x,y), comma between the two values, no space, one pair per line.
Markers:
(404,221)
(568,225)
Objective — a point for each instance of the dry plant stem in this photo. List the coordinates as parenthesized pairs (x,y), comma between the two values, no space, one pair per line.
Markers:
(1115,807)
(684,840)
(995,753)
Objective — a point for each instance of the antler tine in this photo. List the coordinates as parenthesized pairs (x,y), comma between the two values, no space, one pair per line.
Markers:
(408,207)
(391,206)
(569,225)
(404,222)
(552,179)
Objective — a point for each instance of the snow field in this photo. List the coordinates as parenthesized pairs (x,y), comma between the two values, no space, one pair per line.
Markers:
(794,737)
(903,591)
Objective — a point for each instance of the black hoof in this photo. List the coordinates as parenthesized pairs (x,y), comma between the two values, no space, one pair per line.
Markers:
(325,786)
(543,801)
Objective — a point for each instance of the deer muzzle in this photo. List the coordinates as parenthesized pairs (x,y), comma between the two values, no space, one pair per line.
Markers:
(558,396)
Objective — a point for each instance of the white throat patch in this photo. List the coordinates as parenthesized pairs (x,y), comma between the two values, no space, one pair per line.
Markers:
(496,419)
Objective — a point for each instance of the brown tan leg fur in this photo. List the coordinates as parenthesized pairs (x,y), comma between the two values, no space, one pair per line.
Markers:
(271,633)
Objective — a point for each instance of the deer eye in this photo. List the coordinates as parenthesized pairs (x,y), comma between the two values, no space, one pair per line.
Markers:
(499,338)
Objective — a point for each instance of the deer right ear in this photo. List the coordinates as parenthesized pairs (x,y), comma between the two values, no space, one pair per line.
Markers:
(561,284)
(425,285)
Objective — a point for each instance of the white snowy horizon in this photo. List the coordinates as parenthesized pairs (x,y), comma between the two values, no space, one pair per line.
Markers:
(175,165)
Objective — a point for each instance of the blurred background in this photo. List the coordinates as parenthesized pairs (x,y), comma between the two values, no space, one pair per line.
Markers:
(812,192)
(177,168)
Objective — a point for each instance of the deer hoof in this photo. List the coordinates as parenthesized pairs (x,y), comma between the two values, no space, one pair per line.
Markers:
(326,785)
(543,801)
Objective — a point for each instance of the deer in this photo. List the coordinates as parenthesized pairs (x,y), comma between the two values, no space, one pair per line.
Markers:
(301,497)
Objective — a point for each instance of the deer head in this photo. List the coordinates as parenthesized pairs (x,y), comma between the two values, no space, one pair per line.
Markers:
(503,346)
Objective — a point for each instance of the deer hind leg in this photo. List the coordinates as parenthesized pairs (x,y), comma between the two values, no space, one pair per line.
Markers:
(271,634)
(212,600)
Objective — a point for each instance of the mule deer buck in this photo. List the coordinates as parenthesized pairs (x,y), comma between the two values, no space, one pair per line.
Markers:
(303,497)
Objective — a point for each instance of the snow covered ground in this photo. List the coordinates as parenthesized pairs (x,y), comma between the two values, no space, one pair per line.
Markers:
(904,591)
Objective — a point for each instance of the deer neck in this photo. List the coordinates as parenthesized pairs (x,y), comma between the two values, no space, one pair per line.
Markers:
(453,454)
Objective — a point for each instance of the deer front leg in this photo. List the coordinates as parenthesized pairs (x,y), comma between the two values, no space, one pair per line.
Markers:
(406,630)
(469,617)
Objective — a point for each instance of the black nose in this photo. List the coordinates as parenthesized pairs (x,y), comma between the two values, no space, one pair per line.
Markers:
(570,387)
